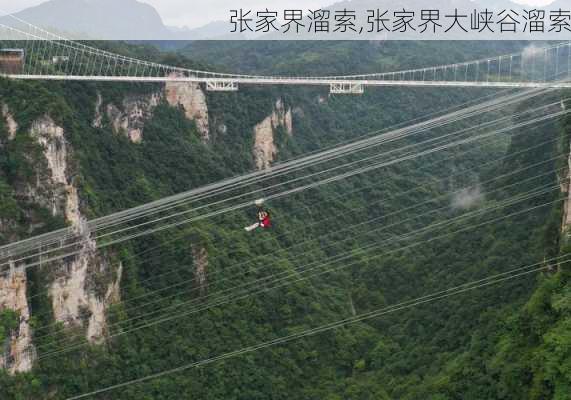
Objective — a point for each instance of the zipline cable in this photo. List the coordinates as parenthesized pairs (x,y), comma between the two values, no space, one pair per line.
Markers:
(44,253)
(318,183)
(350,228)
(335,215)
(365,143)
(295,274)
(440,295)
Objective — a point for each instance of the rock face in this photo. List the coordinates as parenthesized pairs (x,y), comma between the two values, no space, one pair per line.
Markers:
(130,116)
(200,257)
(18,353)
(192,99)
(82,291)
(52,188)
(83,285)
(8,226)
(265,149)
(566,189)
(10,122)
(129,119)
(98,120)
(77,297)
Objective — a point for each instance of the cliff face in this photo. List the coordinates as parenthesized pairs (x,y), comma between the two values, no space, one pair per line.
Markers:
(75,299)
(192,99)
(10,122)
(17,354)
(82,286)
(129,117)
(52,188)
(82,291)
(98,119)
(566,189)
(200,257)
(265,149)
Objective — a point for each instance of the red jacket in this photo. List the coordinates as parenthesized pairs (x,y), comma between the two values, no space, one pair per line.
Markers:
(264,218)
(266,223)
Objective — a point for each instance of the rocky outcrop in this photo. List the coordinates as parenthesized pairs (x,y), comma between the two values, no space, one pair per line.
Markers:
(52,189)
(192,99)
(17,353)
(82,284)
(11,123)
(83,288)
(98,119)
(130,118)
(566,189)
(265,149)
(200,257)
(99,302)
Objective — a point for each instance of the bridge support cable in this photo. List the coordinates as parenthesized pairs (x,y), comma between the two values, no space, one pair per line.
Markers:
(534,67)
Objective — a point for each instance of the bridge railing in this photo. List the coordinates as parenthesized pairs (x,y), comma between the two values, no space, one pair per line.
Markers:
(48,54)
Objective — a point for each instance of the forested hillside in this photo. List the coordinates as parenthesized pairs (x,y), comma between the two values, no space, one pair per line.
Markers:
(408,229)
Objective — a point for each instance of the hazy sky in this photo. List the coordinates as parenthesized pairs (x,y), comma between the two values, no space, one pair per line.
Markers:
(179,13)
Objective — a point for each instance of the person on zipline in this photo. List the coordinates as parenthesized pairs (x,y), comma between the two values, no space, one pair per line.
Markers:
(263,217)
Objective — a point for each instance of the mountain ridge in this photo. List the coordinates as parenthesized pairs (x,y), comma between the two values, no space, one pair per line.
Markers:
(136,20)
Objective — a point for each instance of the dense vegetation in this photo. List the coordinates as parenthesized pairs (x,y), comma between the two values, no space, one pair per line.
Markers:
(509,341)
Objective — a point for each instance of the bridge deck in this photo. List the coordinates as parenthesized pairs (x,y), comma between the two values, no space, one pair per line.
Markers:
(296,81)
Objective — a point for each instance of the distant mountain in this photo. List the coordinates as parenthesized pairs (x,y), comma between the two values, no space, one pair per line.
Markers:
(218,30)
(133,20)
(560,4)
(102,19)
(446,8)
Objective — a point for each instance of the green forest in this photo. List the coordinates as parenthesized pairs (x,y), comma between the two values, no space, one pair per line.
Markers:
(506,341)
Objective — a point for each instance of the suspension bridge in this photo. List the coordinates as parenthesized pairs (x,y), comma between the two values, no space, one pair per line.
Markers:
(36,54)
(31,52)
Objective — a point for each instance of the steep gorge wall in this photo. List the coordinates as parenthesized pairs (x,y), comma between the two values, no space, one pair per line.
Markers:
(83,285)
(52,188)
(265,149)
(11,124)
(566,189)
(200,257)
(83,289)
(130,116)
(17,354)
(192,99)
(72,296)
